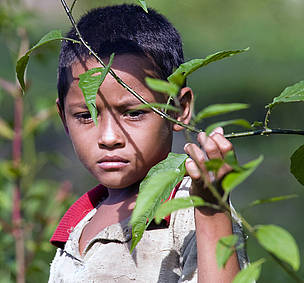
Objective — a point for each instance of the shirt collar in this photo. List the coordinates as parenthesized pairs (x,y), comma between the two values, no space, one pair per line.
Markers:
(81,208)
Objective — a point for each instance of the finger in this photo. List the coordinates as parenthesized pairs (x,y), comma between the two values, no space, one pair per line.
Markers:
(222,143)
(196,164)
(192,169)
(223,171)
(210,146)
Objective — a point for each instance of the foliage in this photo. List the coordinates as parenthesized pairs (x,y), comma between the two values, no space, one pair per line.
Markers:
(30,204)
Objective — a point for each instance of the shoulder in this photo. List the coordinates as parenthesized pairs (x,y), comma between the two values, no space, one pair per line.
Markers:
(76,213)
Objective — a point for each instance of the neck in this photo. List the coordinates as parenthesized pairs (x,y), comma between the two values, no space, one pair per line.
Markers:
(116,196)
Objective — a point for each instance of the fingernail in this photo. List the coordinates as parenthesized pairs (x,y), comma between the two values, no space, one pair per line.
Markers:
(186,145)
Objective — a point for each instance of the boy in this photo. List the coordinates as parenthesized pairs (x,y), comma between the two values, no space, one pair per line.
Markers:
(93,237)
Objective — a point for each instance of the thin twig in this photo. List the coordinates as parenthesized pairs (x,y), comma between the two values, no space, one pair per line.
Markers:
(72,6)
(265,132)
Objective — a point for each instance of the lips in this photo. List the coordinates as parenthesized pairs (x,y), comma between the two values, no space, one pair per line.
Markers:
(112,163)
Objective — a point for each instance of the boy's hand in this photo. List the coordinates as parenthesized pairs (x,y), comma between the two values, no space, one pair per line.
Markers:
(216,146)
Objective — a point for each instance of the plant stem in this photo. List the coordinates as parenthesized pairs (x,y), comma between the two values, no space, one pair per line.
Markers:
(18,232)
(118,79)
(264,132)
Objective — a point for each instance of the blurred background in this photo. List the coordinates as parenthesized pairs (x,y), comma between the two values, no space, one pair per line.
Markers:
(49,176)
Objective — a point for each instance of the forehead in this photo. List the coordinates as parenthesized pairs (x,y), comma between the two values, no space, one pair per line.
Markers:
(132,69)
(136,66)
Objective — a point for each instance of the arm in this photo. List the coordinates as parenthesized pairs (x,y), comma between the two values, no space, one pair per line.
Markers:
(211,224)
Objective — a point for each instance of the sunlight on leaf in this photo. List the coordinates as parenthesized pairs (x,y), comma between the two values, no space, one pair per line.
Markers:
(294,93)
(279,242)
(237,122)
(250,274)
(175,204)
(162,86)
(224,249)
(296,165)
(272,199)
(233,179)
(90,82)
(218,109)
(143,4)
(154,189)
(178,77)
(23,61)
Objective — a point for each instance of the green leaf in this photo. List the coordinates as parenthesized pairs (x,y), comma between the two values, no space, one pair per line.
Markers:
(89,83)
(294,93)
(279,242)
(23,61)
(224,249)
(161,106)
(230,159)
(249,274)
(175,204)
(273,199)
(178,77)
(154,189)
(235,178)
(296,165)
(162,86)
(238,122)
(214,164)
(218,109)
(143,4)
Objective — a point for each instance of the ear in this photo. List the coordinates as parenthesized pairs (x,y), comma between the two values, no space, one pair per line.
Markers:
(62,116)
(185,99)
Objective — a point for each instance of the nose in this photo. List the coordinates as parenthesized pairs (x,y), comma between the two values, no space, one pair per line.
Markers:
(110,132)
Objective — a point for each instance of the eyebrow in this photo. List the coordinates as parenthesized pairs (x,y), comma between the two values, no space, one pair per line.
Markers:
(79,105)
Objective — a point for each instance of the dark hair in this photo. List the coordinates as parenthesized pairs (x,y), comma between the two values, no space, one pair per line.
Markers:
(122,29)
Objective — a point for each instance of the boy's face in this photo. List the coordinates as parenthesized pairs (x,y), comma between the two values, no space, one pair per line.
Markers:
(125,145)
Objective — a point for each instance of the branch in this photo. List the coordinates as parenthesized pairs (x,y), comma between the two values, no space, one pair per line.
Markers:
(265,132)
(118,79)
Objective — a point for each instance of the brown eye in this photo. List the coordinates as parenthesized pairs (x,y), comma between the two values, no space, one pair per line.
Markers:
(84,117)
(135,114)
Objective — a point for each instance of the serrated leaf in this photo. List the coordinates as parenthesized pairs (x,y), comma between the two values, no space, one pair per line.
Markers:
(162,86)
(218,109)
(272,199)
(175,204)
(23,61)
(143,4)
(296,165)
(155,188)
(249,274)
(178,77)
(161,106)
(224,249)
(238,122)
(279,242)
(294,93)
(89,83)
(233,179)
(5,130)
